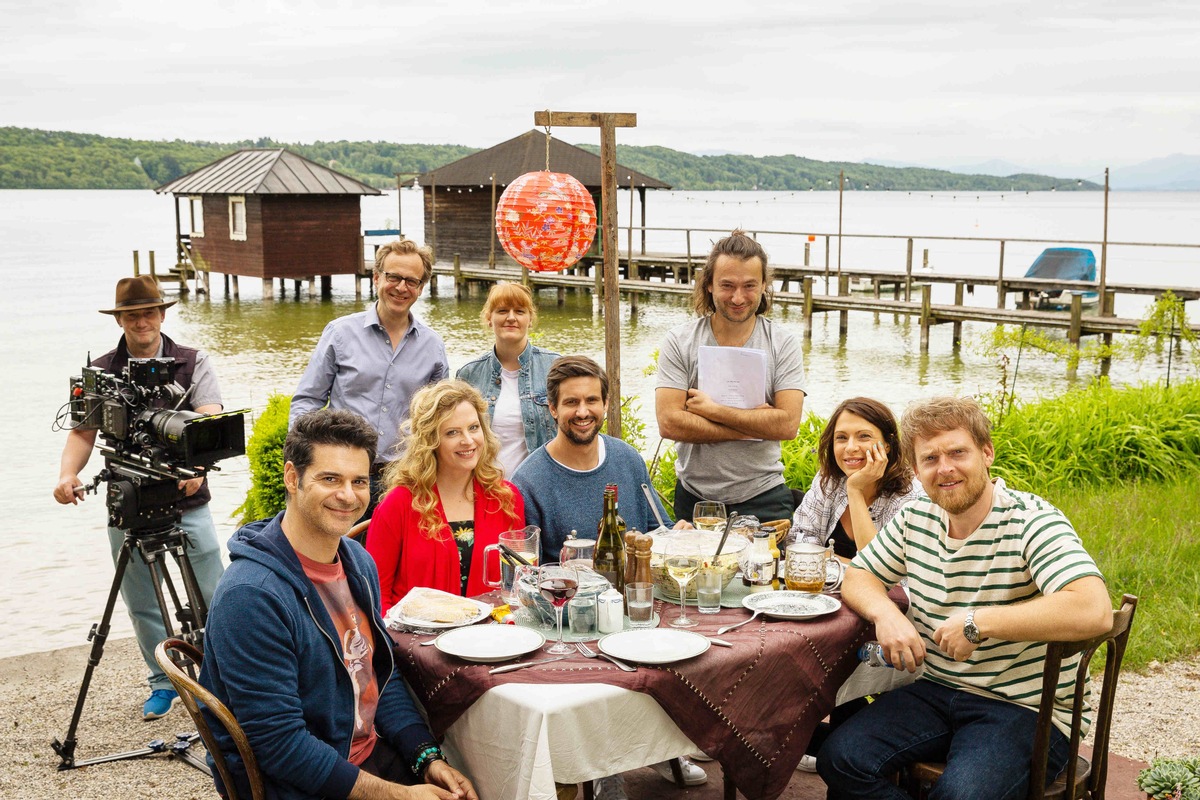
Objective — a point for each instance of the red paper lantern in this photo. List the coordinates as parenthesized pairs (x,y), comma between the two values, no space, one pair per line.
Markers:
(546,220)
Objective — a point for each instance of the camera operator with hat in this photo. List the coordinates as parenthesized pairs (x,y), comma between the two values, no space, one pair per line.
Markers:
(139,311)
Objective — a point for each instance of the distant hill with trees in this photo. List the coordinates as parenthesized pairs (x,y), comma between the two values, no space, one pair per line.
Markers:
(37,159)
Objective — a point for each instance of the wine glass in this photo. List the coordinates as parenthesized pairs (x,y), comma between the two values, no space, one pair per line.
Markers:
(683,562)
(709,515)
(557,583)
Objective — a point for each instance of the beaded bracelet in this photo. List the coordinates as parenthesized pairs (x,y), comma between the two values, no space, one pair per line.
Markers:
(428,753)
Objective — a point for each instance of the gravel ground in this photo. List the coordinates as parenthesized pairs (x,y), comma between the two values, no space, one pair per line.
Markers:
(1158,714)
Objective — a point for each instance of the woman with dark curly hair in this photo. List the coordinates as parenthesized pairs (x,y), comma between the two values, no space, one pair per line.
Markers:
(863,481)
(446,500)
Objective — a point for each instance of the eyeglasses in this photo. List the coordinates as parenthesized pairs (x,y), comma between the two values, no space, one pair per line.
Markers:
(392,279)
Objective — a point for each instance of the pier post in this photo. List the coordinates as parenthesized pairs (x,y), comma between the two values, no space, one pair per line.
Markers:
(807,288)
(226,276)
(843,315)
(925,259)
(136,267)
(1107,309)
(926,315)
(1000,279)
(358,287)
(458,280)
(1073,333)
(153,274)
(312,287)
(908,273)
(268,290)
(236,294)
(956,335)
(562,296)
(296,289)
(525,280)
(326,287)
(688,272)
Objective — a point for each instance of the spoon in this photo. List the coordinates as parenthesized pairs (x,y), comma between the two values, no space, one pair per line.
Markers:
(653,506)
(728,628)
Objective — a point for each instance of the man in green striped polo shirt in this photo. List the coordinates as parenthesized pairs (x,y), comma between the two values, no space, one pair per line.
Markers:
(993,574)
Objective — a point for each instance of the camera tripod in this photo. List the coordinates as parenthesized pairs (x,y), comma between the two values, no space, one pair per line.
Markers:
(153,545)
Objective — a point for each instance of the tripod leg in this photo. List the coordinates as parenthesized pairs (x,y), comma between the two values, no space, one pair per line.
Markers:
(98,636)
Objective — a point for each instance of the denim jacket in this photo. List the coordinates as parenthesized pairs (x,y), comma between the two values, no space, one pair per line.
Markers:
(484,374)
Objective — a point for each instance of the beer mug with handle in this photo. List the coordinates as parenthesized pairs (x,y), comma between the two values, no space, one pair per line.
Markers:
(812,567)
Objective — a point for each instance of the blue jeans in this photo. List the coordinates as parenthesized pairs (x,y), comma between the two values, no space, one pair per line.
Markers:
(986,744)
(137,587)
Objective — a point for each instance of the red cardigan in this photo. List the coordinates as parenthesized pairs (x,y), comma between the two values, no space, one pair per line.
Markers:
(406,557)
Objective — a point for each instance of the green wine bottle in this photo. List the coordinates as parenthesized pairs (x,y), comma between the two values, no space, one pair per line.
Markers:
(609,560)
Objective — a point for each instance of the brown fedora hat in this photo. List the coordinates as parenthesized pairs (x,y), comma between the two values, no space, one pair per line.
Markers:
(134,294)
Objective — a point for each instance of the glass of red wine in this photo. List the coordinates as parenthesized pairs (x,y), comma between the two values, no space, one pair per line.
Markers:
(557,583)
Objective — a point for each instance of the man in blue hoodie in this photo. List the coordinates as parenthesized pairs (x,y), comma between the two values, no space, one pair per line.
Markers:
(296,647)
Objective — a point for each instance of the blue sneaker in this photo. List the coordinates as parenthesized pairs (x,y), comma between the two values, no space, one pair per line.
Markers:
(159,703)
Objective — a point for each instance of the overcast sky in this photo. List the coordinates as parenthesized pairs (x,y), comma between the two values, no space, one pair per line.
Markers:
(1071,86)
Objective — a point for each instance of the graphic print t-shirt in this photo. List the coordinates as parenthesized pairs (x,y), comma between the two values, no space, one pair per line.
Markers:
(358,646)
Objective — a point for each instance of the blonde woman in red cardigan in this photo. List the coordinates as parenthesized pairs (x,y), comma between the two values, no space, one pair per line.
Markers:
(446,498)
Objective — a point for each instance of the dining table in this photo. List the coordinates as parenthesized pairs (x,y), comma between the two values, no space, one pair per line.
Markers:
(751,707)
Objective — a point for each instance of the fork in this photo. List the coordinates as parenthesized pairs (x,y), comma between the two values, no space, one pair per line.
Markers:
(588,652)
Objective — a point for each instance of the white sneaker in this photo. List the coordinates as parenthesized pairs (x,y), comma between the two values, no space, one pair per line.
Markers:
(611,787)
(807,763)
(692,774)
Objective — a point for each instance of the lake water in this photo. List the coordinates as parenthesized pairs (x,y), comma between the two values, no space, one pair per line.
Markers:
(62,253)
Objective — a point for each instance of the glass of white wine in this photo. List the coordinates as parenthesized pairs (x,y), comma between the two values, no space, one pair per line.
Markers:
(709,515)
(683,562)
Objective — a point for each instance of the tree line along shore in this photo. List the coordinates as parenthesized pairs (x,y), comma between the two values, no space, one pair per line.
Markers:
(38,159)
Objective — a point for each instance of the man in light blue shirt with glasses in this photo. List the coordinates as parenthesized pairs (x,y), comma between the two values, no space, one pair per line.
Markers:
(373,362)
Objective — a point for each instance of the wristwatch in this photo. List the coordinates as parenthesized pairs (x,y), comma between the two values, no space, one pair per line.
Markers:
(969,630)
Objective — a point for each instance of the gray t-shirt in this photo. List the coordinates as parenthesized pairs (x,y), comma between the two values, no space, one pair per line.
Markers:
(732,472)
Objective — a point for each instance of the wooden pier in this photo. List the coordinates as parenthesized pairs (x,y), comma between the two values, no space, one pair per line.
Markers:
(911,295)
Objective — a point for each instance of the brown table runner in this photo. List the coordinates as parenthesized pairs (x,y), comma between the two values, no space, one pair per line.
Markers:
(752,707)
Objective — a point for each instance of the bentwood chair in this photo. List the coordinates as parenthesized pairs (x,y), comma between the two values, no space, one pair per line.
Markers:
(174,657)
(1082,779)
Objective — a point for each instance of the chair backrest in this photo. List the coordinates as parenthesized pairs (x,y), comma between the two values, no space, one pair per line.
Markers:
(359,532)
(173,655)
(1115,641)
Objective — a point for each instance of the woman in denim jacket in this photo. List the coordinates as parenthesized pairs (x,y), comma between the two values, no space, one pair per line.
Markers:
(512,375)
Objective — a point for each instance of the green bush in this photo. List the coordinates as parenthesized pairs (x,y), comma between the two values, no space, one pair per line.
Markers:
(267,497)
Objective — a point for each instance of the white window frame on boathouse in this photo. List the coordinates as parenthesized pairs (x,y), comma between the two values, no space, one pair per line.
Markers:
(237,218)
(196,210)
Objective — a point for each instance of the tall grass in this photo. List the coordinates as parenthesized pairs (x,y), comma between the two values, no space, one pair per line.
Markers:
(1099,435)
(1145,538)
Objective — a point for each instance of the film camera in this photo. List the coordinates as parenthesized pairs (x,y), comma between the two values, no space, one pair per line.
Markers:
(149,442)
(149,445)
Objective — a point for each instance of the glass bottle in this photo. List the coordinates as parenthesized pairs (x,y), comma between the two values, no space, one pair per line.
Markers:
(610,542)
(758,567)
(773,549)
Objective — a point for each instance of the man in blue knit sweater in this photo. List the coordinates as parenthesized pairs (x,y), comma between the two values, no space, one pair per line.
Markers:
(563,483)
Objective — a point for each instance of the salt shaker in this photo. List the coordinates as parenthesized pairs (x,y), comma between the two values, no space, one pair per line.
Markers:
(610,611)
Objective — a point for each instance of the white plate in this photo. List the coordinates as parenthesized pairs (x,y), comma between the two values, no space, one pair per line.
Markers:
(395,618)
(653,645)
(489,643)
(792,605)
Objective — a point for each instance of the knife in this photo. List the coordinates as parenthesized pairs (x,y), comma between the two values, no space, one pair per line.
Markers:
(720,642)
(523,665)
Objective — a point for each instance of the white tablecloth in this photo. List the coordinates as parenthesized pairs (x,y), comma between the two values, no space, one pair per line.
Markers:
(518,739)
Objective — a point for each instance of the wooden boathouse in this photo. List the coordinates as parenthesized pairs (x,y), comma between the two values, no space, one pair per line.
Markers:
(268,214)
(460,197)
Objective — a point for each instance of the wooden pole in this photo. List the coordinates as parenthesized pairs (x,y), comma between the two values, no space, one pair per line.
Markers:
(1104,251)
(642,204)
(492,235)
(841,186)
(1000,293)
(607,123)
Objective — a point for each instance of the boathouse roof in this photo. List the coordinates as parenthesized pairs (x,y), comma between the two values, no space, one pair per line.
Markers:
(275,171)
(527,153)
